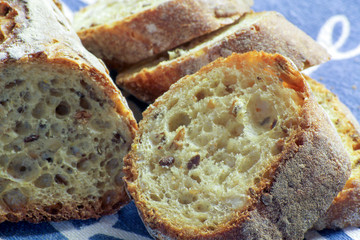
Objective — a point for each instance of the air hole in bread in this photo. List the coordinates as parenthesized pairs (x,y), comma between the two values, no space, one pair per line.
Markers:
(53,209)
(15,83)
(174,186)
(100,124)
(223,177)
(155,197)
(22,127)
(23,167)
(39,110)
(112,166)
(179,119)
(84,103)
(44,181)
(3,184)
(170,105)
(196,177)
(43,86)
(61,179)
(71,190)
(202,206)
(83,164)
(202,93)
(4,159)
(262,112)
(56,92)
(222,119)
(15,199)
(63,109)
(187,198)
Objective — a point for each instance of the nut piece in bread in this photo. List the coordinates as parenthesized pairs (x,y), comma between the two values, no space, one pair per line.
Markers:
(264,31)
(123,32)
(239,150)
(345,209)
(64,126)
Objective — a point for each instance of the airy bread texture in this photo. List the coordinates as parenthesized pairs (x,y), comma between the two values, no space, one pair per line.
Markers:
(264,31)
(123,32)
(239,150)
(64,126)
(344,211)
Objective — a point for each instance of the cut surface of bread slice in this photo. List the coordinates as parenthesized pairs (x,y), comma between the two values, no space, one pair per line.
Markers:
(345,210)
(123,32)
(239,150)
(264,31)
(64,126)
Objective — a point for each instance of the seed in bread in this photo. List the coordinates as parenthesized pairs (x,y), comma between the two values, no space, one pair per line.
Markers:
(255,157)
(345,209)
(123,32)
(64,126)
(264,31)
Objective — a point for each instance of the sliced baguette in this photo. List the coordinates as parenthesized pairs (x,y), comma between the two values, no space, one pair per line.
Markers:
(239,150)
(345,209)
(265,31)
(123,32)
(64,126)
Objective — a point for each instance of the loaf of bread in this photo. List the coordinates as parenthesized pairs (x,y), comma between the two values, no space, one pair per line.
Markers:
(264,31)
(345,210)
(64,126)
(123,32)
(239,150)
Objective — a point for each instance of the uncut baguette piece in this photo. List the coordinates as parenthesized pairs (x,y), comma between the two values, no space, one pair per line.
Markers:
(264,31)
(239,150)
(345,209)
(123,32)
(64,126)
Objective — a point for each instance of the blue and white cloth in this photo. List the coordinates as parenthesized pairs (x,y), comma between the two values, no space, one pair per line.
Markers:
(333,23)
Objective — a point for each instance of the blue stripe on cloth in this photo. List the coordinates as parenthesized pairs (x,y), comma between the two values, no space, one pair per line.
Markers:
(74,5)
(28,231)
(78,224)
(334,235)
(130,221)
(103,237)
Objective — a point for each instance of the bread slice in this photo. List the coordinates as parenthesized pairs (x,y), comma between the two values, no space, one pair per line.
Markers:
(264,31)
(64,126)
(239,150)
(345,210)
(123,32)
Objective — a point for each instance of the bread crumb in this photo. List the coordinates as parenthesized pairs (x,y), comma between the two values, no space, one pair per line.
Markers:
(353,87)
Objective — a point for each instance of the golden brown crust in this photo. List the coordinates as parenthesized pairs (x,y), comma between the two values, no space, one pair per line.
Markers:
(344,211)
(156,30)
(297,188)
(271,33)
(42,35)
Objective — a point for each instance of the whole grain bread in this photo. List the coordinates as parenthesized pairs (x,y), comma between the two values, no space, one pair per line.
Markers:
(123,32)
(64,126)
(238,150)
(345,209)
(264,31)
